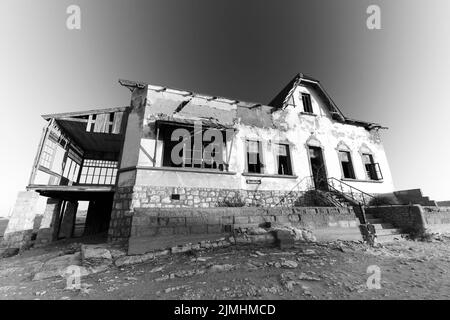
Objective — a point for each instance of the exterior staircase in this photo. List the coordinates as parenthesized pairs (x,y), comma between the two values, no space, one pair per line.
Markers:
(341,194)
(385,232)
(344,195)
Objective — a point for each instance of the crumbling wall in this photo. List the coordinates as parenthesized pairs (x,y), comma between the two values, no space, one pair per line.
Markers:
(437,219)
(21,223)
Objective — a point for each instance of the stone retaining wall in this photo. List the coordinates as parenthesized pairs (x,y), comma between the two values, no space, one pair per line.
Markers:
(437,219)
(408,218)
(156,228)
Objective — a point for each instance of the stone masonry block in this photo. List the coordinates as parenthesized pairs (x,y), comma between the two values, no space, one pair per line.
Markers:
(214,228)
(198,229)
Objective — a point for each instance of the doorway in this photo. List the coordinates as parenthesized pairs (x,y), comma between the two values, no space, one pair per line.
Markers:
(318,169)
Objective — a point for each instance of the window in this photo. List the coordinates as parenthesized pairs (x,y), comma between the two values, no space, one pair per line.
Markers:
(284,160)
(373,171)
(253,156)
(98,172)
(307,106)
(205,155)
(346,164)
(48,152)
(72,166)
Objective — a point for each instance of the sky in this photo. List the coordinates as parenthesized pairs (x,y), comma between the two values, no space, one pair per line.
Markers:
(398,76)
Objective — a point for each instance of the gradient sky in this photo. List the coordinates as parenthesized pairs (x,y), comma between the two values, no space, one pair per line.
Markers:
(248,49)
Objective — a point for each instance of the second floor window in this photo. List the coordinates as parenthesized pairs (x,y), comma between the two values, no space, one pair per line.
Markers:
(307,106)
(284,160)
(254,156)
(346,164)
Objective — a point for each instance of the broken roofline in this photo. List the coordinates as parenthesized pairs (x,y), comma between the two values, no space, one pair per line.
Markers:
(82,113)
(291,86)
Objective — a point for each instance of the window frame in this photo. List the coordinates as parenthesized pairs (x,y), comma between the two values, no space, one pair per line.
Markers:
(260,153)
(307,107)
(166,162)
(288,156)
(351,168)
(378,175)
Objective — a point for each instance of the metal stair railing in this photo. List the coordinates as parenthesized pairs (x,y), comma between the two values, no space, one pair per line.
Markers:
(332,184)
(305,184)
(350,192)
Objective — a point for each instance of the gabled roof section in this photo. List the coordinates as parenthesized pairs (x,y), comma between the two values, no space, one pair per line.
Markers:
(285,94)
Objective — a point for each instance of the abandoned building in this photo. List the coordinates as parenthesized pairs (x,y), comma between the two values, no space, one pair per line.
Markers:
(264,156)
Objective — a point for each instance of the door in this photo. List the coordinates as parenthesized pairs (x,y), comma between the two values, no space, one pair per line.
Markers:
(318,169)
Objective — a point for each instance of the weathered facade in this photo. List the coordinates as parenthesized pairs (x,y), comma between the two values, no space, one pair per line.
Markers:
(232,153)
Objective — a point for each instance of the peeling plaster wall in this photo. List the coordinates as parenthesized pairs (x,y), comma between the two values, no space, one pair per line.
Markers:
(287,126)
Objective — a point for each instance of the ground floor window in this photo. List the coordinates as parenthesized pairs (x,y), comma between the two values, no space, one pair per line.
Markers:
(373,171)
(254,156)
(346,164)
(284,160)
(184,149)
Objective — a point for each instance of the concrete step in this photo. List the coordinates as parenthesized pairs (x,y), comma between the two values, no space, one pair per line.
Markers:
(383,232)
(375,221)
(380,226)
(389,238)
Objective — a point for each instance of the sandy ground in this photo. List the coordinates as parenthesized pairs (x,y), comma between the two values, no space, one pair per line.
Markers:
(339,270)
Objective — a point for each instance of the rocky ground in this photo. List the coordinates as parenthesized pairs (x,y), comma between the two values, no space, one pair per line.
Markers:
(337,270)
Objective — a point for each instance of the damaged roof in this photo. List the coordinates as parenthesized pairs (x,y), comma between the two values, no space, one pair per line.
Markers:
(256,114)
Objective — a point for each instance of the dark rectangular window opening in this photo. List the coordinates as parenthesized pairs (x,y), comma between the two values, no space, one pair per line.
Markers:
(373,171)
(346,163)
(253,155)
(307,106)
(193,155)
(284,160)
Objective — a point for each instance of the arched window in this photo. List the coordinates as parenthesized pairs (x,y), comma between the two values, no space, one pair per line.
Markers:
(345,158)
(372,168)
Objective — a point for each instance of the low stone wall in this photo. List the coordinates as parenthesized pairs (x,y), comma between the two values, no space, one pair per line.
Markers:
(437,219)
(126,199)
(407,218)
(159,228)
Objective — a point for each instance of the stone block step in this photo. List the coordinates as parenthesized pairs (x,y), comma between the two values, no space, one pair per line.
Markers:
(374,221)
(389,238)
(380,226)
(383,232)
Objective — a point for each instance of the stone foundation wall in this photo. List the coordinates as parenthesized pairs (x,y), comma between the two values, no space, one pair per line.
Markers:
(181,197)
(126,199)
